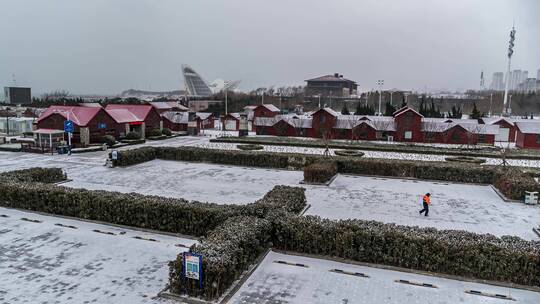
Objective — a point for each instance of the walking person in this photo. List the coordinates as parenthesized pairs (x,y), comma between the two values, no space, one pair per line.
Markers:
(426,202)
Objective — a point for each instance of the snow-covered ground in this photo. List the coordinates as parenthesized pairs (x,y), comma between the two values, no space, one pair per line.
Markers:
(369,154)
(280,283)
(192,181)
(46,263)
(474,208)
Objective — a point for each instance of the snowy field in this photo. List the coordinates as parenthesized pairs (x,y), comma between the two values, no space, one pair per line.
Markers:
(369,154)
(46,263)
(280,283)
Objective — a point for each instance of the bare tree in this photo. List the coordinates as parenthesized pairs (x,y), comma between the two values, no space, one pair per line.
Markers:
(57,94)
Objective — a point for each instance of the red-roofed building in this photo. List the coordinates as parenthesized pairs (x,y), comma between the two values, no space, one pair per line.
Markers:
(135,118)
(265,110)
(528,134)
(91,123)
(167,106)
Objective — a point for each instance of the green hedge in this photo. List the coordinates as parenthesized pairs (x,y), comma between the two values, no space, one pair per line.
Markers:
(135,156)
(35,175)
(227,252)
(509,259)
(477,151)
(152,212)
(445,171)
(320,172)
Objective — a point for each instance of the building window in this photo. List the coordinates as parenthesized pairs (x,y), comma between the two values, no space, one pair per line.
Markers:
(538,138)
(408,135)
(455,136)
(322,119)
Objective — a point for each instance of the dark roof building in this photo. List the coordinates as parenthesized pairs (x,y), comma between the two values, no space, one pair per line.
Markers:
(331,85)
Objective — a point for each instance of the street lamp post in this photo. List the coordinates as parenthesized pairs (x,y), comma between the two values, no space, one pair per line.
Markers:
(506,110)
(380,83)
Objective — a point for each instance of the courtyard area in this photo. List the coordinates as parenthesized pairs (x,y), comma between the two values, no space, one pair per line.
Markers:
(274,283)
(475,208)
(46,259)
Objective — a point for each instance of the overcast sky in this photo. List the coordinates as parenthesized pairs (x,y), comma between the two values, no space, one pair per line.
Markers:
(106,46)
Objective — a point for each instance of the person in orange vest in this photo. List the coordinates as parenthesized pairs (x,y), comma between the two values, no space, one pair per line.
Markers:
(426,202)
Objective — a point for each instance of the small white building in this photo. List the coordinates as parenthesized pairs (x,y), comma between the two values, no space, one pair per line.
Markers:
(16,125)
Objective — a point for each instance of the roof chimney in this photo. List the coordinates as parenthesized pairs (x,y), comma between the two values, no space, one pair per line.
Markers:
(336,75)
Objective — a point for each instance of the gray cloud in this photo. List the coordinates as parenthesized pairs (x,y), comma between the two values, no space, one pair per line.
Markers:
(102,46)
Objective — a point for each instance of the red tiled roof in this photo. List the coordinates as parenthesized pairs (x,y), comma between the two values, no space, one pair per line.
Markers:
(79,115)
(140,111)
(122,115)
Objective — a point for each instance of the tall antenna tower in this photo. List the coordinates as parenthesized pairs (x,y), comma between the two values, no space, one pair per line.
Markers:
(13,80)
(506,109)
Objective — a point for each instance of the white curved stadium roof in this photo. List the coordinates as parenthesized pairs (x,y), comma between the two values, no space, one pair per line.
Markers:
(194,83)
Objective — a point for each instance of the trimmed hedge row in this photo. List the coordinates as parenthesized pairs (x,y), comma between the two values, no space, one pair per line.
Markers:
(509,259)
(227,252)
(25,189)
(151,212)
(446,171)
(135,156)
(320,172)
(35,175)
(478,151)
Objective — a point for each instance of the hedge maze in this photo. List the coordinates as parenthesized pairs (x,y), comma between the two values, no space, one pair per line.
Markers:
(234,236)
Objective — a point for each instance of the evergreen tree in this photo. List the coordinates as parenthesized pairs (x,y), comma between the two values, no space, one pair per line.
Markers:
(389,109)
(345,110)
(475,113)
(423,109)
(364,110)
(358,108)
(403,103)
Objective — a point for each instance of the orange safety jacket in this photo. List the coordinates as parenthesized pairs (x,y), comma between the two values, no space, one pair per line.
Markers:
(426,199)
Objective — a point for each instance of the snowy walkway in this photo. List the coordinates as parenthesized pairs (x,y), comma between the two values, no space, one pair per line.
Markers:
(280,283)
(41,262)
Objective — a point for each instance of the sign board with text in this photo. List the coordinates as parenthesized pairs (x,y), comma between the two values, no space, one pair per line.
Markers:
(193,267)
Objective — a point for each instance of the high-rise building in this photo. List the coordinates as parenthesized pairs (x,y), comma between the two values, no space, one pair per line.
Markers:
(515,79)
(497,81)
(524,76)
(527,86)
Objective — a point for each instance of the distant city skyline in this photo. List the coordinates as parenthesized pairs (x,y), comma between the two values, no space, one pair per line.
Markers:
(105,47)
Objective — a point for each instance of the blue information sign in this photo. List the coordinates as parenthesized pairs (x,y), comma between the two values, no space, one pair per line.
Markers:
(193,267)
(68,126)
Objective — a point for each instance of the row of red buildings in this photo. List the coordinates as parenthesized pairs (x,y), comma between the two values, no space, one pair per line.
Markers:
(92,122)
(405,125)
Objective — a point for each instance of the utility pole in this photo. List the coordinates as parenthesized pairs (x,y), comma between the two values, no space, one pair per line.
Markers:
(490,103)
(226,110)
(506,109)
(380,83)
(391,92)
